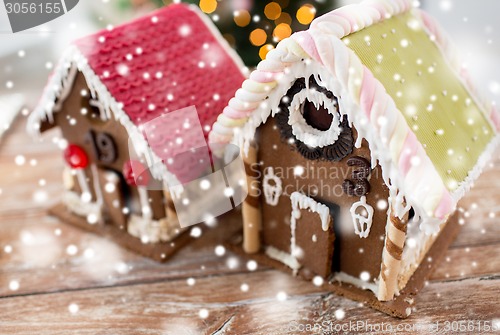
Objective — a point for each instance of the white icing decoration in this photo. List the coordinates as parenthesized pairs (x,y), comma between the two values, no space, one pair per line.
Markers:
(74,203)
(299,202)
(284,258)
(345,278)
(82,180)
(103,113)
(304,132)
(272,193)
(97,185)
(144,200)
(66,88)
(362,220)
(152,231)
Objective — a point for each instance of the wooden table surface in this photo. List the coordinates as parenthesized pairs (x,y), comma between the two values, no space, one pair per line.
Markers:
(56,279)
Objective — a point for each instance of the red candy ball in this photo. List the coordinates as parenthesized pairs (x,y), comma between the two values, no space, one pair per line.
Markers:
(135,173)
(76,157)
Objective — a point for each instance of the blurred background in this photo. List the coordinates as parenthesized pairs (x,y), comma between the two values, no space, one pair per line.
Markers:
(252,27)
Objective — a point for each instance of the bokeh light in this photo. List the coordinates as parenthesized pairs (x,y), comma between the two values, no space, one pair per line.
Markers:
(258,37)
(208,6)
(242,18)
(250,25)
(284,18)
(282,31)
(272,10)
(265,50)
(306,14)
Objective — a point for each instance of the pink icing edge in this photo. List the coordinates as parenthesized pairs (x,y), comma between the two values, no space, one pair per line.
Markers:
(445,206)
(235,114)
(306,42)
(368,91)
(263,76)
(410,150)
(495,118)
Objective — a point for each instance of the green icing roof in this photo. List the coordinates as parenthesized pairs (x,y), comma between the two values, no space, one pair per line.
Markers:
(435,103)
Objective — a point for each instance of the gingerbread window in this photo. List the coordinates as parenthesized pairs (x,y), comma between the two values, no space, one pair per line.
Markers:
(310,118)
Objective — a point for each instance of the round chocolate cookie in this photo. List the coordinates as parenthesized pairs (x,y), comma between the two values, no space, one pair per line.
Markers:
(318,118)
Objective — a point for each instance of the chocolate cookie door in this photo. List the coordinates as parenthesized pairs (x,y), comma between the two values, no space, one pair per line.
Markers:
(313,236)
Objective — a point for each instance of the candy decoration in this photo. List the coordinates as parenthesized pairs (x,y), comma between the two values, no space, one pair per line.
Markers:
(392,256)
(360,185)
(136,174)
(76,157)
(342,147)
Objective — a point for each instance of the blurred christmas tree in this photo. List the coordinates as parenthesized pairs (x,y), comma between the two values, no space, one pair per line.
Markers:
(252,27)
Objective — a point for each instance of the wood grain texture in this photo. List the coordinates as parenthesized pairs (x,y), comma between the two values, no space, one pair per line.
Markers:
(48,269)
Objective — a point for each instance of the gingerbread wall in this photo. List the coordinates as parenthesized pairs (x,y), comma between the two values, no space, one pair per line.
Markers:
(352,254)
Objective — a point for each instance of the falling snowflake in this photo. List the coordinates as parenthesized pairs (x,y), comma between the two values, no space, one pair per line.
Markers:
(72,250)
(318,281)
(196,232)
(203,313)
(220,250)
(185,30)
(14,285)
(281,296)
(339,314)
(73,308)
(252,265)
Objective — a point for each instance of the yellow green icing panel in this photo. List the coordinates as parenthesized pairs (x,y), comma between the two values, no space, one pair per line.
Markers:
(435,103)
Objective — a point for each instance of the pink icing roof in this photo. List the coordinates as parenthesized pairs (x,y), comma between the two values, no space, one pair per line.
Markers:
(163,62)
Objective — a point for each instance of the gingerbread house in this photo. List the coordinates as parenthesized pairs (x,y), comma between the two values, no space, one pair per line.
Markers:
(112,96)
(361,135)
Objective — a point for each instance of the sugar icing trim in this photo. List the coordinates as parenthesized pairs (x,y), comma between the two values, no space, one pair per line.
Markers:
(97,185)
(284,258)
(301,201)
(362,223)
(272,193)
(304,132)
(147,213)
(75,204)
(152,231)
(345,278)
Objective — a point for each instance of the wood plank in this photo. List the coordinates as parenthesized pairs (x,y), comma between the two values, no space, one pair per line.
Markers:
(468,262)
(174,307)
(46,255)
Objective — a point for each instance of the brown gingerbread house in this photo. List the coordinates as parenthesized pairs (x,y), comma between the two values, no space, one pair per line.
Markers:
(109,95)
(361,135)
